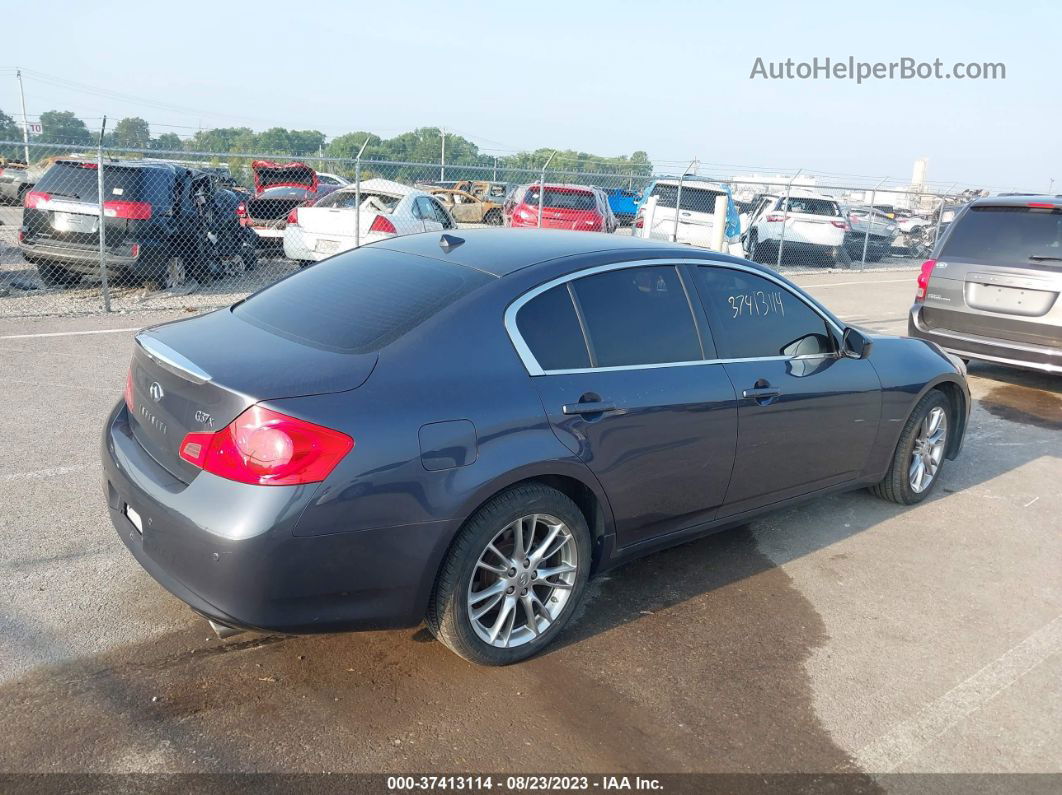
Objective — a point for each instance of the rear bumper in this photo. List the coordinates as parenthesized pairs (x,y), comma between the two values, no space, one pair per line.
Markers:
(228,550)
(968,346)
(81,260)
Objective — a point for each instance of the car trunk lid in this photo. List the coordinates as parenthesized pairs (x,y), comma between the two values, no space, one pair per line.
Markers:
(283,175)
(200,374)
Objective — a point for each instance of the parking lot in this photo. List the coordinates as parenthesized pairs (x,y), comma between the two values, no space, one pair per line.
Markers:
(846,635)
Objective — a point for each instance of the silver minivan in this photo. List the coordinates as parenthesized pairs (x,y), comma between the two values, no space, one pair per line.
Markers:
(991,290)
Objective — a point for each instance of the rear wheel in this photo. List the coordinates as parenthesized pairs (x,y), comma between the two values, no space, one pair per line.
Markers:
(513,576)
(56,276)
(919,457)
(753,244)
(841,256)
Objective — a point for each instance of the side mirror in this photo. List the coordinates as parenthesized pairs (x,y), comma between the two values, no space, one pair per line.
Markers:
(855,344)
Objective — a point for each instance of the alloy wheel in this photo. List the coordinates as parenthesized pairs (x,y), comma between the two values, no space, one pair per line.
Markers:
(928,450)
(523,580)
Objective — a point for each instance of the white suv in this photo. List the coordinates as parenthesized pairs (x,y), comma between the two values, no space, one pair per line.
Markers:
(815,229)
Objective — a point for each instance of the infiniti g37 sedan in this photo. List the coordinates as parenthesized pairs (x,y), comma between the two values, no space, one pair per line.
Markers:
(463,429)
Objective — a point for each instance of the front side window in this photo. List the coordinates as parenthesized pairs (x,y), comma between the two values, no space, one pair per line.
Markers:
(753,317)
(637,316)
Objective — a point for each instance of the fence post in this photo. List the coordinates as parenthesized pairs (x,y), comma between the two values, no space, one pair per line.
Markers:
(648,216)
(542,187)
(785,216)
(719,230)
(102,221)
(357,193)
(870,222)
(936,229)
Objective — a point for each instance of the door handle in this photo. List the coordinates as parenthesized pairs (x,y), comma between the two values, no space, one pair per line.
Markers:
(589,407)
(762,392)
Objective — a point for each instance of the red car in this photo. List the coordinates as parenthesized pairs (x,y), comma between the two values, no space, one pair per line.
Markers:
(278,189)
(577,207)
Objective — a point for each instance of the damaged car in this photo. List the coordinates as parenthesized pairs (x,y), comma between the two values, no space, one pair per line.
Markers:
(278,189)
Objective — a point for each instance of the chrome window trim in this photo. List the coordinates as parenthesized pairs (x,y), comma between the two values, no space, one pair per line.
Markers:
(532,366)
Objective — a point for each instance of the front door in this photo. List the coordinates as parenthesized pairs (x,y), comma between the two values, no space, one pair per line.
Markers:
(807,415)
(626,388)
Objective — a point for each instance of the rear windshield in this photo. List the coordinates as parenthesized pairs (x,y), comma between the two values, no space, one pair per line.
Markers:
(694,199)
(813,206)
(359,301)
(1007,234)
(562,198)
(79,182)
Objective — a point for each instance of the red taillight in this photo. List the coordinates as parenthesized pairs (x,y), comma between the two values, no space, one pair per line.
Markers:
(775,217)
(923,279)
(93,166)
(1048,205)
(840,225)
(293,216)
(36,199)
(21,235)
(267,448)
(129,390)
(639,222)
(132,211)
(382,224)
(134,250)
(241,210)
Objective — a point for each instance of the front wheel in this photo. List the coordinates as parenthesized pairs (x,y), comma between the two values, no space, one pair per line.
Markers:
(513,576)
(919,456)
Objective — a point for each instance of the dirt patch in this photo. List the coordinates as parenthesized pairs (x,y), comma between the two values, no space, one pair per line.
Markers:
(1026,405)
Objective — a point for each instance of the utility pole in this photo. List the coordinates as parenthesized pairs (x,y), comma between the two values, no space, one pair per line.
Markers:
(25,119)
(442,159)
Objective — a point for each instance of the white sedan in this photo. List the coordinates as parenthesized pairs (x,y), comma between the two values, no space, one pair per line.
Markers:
(388,209)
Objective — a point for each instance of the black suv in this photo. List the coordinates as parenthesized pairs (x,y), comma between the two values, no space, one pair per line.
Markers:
(155,228)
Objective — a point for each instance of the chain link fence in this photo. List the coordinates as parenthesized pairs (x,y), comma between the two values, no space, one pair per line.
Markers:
(85,231)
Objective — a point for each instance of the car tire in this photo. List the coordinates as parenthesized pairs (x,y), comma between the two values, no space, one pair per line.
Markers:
(493,218)
(470,562)
(56,276)
(841,257)
(897,485)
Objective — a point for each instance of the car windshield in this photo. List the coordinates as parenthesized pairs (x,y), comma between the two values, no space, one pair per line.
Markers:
(997,235)
(360,301)
(694,198)
(807,206)
(562,198)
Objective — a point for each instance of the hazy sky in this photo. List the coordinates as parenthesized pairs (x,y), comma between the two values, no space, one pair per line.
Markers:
(670,78)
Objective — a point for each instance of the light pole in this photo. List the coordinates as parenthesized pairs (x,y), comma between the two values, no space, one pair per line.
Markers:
(25,119)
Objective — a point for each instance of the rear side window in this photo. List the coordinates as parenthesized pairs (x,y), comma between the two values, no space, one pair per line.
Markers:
(694,199)
(1007,235)
(637,316)
(753,317)
(551,330)
(360,301)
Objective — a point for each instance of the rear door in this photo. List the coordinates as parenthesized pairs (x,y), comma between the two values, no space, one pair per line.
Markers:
(999,275)
(619,366)
(807,415)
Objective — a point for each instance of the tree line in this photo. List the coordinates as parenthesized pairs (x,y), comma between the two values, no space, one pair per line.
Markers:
(423,145)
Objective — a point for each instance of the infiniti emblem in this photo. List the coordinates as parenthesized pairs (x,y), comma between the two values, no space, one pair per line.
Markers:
(155,390)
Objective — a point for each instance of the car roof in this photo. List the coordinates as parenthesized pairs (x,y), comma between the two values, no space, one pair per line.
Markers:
(378,185)
(1023,200)
(500,252)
